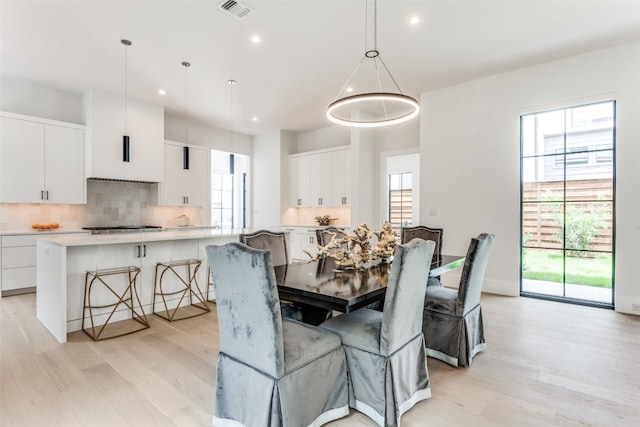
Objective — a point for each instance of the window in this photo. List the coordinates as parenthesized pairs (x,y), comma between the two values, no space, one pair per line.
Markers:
(568,204)
(400,199)
(222,200)
(579,156)
(228,189)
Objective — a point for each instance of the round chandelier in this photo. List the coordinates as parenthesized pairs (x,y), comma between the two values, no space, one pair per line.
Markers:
(372,108)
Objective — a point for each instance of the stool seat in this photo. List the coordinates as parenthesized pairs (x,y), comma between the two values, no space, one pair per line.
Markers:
(127,297)
(184,287)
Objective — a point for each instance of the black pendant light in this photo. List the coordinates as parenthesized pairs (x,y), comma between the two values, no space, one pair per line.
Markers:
(185,149)
(126,147)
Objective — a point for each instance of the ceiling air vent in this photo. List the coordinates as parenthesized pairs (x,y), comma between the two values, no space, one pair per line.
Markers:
(235,8)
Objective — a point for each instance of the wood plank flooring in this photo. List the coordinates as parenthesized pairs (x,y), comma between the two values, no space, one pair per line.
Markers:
(547,364)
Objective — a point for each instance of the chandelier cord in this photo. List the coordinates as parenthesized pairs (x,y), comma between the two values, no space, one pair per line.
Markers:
(349,79)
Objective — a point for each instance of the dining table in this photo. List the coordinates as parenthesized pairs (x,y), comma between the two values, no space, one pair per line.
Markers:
(323,284)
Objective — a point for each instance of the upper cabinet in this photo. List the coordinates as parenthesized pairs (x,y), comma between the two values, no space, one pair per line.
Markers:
(41,161)
(104,115)
(341,183)
(185,186)
(320,179)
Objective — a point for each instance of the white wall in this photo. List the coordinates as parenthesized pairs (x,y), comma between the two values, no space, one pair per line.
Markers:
(333,136)
(268,183)
(206,136)
(472,129)
(23,97)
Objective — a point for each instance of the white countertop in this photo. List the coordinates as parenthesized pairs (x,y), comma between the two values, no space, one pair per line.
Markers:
(148,236)
(60,230)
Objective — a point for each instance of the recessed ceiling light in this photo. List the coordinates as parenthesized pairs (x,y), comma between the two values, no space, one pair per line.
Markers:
(162,92)
(349,89)
(414,20)
(256,39)
(255,119)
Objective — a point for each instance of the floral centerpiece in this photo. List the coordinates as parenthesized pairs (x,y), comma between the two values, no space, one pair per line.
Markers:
(356,250)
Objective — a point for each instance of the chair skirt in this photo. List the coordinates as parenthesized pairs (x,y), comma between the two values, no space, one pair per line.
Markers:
(454,339)
(248,397)
(401,380)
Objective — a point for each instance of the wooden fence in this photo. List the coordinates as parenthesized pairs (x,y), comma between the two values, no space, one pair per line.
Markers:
(540,209)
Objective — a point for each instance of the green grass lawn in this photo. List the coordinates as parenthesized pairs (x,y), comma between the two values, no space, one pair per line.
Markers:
(581,271)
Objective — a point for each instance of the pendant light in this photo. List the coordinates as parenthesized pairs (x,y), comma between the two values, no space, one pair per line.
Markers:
(382,107)
(125,138)
(185,149)
(232,83)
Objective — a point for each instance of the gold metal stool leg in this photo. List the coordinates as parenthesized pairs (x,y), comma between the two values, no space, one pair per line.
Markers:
(128,297)
(190,291)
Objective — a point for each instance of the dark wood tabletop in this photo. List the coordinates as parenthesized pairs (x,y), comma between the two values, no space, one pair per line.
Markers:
(322,284)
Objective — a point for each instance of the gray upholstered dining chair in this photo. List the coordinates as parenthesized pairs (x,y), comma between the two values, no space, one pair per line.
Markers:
(273,241)
(425,233)
(276,242)
(452,319)
(271,371)
(385,350)
(324,235)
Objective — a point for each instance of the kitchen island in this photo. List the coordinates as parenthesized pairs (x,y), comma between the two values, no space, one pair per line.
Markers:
(63,261)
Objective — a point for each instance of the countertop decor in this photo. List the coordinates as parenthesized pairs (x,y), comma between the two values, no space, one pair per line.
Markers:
(356,251)
(325,220)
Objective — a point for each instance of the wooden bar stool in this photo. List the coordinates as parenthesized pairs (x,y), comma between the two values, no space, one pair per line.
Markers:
(188,288)
(127,297)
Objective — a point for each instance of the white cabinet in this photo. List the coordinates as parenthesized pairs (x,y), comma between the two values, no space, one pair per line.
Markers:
(185,187)
(341,188)
(320,179)
(18,263)
(301,240)
(104,115)
(299,181)
(41,161)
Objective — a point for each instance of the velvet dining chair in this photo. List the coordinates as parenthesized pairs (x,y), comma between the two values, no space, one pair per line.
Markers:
(452,319)
(276,243)
(271,371)
(385,350)
(425,233)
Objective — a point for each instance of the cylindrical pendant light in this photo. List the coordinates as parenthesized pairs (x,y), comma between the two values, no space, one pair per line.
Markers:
(126,146)
(185,149)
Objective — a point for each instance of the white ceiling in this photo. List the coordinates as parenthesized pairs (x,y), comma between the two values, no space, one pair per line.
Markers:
(308,49)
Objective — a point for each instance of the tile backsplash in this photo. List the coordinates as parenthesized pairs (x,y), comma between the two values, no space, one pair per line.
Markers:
(108,203)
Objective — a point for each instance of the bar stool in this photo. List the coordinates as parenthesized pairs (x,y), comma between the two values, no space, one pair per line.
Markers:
(188,288)
(128,297)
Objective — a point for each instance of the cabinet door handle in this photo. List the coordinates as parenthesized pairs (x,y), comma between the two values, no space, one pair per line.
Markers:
(47,194)
(187,199)
(299,202)
(138,251)
(320,200)
(144,250)
(41,194)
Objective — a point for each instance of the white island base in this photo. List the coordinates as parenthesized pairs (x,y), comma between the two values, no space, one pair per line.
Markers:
(63,262)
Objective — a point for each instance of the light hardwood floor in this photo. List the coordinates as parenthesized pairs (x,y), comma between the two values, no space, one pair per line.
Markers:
(547,364)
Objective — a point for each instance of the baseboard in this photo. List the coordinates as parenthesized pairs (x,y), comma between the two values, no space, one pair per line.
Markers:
(11,292)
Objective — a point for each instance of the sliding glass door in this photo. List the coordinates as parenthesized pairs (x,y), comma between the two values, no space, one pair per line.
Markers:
(568,204)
